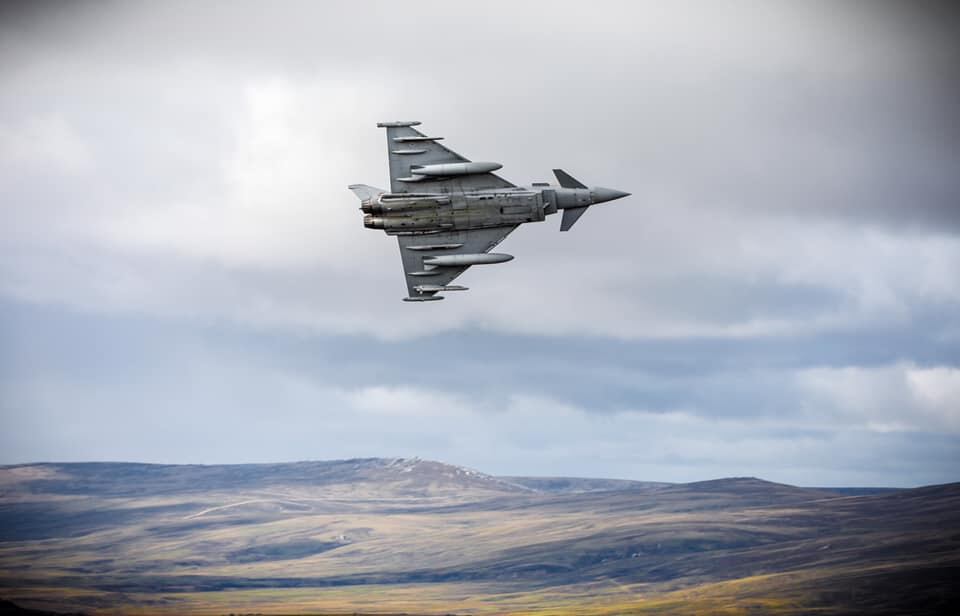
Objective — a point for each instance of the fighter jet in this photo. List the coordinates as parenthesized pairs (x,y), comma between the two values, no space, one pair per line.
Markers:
(449,212)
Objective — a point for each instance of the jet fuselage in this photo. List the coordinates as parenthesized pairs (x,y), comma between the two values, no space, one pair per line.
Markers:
(405,212)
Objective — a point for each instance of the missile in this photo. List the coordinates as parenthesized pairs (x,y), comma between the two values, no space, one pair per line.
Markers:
(448,169)
(432,288)
(423,298)
(465,260)
(420,173)
(399,222)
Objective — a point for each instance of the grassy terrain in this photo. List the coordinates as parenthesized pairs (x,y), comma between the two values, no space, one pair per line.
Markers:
(377,536)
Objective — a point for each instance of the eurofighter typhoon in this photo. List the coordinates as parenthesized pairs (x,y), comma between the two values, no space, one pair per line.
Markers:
(449,212)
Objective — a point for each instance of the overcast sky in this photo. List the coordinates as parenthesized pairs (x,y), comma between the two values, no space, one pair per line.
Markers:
(185,278)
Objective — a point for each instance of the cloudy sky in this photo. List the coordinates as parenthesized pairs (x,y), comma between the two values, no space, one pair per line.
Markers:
(185,278)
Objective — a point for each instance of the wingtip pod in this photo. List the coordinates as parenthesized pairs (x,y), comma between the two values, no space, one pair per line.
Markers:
(397,124)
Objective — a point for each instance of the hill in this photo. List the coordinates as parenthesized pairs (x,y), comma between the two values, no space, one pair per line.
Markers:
(387,477)
(379,535)
(580,484)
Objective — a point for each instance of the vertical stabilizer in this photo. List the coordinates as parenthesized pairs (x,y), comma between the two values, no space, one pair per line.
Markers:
(365,192)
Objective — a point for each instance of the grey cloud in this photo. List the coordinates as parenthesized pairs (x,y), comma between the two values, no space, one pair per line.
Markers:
(727,299)
(795,182)
(722,377)
(83,386)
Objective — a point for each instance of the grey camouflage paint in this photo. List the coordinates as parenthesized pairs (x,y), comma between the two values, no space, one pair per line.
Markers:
(449,212)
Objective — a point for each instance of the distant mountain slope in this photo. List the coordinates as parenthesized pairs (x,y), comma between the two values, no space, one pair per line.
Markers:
(753,489)
(860,491)
(573,485)
(407,535)
(560,485)
(386,476)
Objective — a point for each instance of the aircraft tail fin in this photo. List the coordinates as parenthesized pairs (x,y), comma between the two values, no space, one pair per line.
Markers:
(364,192)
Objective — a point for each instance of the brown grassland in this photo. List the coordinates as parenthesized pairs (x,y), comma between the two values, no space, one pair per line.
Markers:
(410,536)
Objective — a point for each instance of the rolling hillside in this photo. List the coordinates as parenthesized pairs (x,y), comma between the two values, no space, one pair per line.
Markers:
(381,535)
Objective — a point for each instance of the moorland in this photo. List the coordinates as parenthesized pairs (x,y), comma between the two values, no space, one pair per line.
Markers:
(421,537)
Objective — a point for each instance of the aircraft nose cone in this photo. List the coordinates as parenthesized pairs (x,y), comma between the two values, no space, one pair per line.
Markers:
(598,194)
